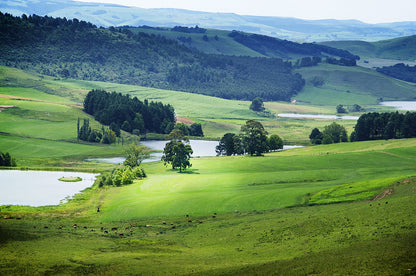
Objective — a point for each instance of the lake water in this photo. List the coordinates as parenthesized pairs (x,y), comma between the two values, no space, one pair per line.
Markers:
(40,188)
(401,105)
(317,116)
(201,148)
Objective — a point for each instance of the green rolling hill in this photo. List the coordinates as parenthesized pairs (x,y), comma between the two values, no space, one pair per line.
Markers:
(402,48)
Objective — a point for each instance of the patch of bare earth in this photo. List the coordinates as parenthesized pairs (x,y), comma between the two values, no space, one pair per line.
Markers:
(383,194)
(184,120)
(3,107)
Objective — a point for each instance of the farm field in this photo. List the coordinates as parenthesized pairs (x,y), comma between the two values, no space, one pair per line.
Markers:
(282,224)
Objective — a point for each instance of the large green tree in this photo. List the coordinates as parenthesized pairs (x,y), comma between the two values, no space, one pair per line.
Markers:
(135,154)
(274,142)
(181,156)
(334,133)
(257,104)
(176,152)
(226,145)
(254,138)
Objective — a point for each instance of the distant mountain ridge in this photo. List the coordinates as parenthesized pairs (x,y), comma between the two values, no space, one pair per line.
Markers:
(285,28)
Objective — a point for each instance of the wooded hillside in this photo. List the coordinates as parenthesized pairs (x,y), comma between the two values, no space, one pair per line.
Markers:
(77,49)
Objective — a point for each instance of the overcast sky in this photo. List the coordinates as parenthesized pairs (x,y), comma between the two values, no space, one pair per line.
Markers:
(370,11)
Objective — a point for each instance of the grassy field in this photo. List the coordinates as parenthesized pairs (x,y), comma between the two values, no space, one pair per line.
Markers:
(273,232)
(339,209)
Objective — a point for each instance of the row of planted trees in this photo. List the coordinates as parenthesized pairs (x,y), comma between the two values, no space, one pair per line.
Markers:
(370,126)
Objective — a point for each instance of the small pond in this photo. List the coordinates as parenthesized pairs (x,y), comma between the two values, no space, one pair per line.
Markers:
(316,116)
(40,188)
(401,105)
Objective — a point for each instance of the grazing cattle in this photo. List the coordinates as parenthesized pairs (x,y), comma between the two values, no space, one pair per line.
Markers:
(92,230)
(60,227)
(46,227)
(200,221)
(34,226)
(147,225)
(18,218)
(171,223)
(121,235)
(102,228)
(75,224)
(114,228)
(85,227)
(163,222)
(387,202)
(173,227)
(75,227)
(189,220)
(213,216)
(105,232)
(371,205)
(127,228)
(187,215)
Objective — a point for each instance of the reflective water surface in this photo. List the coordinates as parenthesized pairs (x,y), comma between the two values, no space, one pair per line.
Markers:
(39,188)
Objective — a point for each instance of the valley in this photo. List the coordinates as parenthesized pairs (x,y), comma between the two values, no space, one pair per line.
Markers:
(321,209)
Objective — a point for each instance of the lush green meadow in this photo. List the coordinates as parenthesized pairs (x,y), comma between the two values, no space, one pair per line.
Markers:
(341,209)
(274,231)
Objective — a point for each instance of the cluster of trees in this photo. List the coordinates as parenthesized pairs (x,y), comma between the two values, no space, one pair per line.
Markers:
(182,29)
(177,152)
(129,114)
(252,140)
(274,47)
(400,71)
(308,62)
(86,133)
(353,108)
(341,61)
(333,133)
(190,130)
(131,170)
(120,176)
(376,126)
(76,49)
(257,104)
(6,160)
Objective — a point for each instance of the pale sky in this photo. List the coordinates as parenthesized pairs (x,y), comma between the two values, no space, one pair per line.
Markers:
(369,11)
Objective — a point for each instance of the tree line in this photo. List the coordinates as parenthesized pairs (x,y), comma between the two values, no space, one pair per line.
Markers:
(77,49)
(400,71)
(252,140)
(370,126)
(389,125)
(129,114)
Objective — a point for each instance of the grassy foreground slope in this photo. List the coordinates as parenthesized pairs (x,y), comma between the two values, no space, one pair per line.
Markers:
(350,238)
(326,174)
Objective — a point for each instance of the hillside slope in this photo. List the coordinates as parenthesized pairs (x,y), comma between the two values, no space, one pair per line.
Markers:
(77,49)
(212,41)
(286,28)
(402,48)
(351,85)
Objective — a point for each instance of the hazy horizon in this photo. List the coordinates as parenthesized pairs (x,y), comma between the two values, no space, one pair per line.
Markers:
(368,11)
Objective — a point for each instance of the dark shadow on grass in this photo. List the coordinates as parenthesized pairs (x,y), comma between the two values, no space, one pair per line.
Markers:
(189,171)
